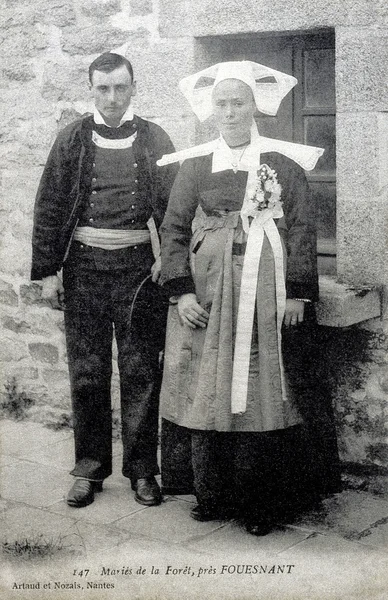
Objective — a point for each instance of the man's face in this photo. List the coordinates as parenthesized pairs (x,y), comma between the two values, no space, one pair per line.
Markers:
(112,93)
(233,109)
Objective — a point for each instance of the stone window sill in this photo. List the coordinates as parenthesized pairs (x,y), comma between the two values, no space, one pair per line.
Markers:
(341,305)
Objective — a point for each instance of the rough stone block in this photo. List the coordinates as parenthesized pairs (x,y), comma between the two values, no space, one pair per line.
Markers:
(95,40)
(16,325)
(44,353)
(56,377)
(41,322)
(25,107)
(53,12)
(158,93)
(340,306)
(382,145)
(20,226)
(8,294)
(361,242)
(15,258)
(33,144)
(175,18)
(12,349)
(140,7)
(18,189)
(357,155)
(361,63)
(19,70)
(181,130)
(232,16)
(24,42)
(99,9)
(24,374)
(65,82)
(30,294)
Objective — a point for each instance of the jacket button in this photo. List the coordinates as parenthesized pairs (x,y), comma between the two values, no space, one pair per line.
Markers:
(94,192)
(135,165)
(133,193)
(91,220)
(133,206)
(94,179)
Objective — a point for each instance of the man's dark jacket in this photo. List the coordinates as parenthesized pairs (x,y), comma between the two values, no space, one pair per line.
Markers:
(65,187)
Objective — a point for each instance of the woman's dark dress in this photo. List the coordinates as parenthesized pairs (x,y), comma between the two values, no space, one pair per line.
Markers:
(242,464)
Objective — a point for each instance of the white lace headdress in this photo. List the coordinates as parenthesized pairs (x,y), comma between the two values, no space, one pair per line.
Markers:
(268,94)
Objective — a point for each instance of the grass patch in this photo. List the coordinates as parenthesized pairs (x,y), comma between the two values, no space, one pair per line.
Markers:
(35,546)
(16,403)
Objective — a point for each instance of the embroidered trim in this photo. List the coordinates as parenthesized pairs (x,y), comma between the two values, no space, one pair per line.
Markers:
(102,142)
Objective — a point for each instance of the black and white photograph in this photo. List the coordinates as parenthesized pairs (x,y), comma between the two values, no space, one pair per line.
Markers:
(193,300)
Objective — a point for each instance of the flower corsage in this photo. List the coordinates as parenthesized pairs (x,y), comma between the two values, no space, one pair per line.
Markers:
(262,198)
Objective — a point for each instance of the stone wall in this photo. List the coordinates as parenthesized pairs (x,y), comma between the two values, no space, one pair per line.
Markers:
(46,47)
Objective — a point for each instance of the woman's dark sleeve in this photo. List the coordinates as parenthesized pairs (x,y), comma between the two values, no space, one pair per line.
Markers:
(301,218)
(176,276)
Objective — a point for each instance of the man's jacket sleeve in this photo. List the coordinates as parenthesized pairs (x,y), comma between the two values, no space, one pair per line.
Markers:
(51,212)
(165,176)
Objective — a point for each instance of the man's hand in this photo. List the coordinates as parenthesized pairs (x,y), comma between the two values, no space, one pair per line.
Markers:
(294,312)
(191,313)
(155,269)
(52,290)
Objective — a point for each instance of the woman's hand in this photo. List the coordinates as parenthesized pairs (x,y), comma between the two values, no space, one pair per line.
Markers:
(294,312)
(155,269)
(190,312)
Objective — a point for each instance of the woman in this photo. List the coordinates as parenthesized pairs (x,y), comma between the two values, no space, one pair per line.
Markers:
(239,261)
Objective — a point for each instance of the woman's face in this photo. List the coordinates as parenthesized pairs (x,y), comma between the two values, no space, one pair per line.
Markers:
(233,109)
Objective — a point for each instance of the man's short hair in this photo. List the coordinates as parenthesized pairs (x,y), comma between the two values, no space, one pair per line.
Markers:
(108,62)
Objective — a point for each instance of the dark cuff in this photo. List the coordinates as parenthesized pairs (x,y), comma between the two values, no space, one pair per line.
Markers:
(307,290)
(39,274)
(179,286)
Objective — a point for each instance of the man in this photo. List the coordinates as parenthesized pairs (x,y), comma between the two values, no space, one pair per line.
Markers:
(99,204)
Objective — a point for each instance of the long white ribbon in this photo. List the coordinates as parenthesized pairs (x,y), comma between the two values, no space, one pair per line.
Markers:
(262,224)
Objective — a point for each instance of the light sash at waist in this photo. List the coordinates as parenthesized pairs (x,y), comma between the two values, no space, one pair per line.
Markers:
(111,239)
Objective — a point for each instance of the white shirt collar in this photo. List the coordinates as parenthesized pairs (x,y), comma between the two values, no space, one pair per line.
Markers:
(127,116)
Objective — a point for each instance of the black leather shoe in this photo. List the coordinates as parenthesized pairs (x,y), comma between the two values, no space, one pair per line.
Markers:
(82,492)
(259,528)
(201,514)
(147,491)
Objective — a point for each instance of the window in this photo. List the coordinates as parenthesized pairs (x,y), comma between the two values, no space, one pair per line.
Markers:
(306,115)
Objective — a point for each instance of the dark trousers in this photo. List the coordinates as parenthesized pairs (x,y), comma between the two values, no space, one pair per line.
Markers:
(98,303)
